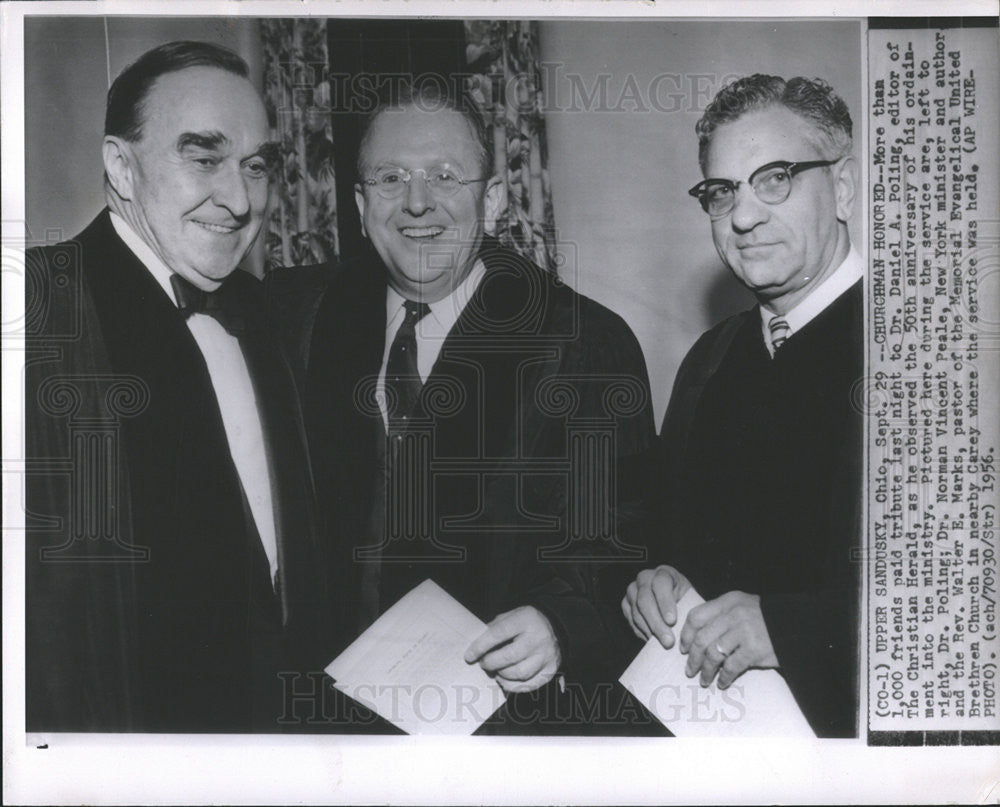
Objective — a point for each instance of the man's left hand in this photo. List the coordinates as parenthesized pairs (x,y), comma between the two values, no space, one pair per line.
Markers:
(727,636)
(519,648)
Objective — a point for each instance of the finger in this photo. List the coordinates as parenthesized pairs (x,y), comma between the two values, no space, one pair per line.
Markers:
(716,654)
(509,654)
(524,670)
(702,654)
(697,618)
(712,661)
(666,595)
(641,628)
(525,686)
(630,594)
(649,609)
(737,663)
(500,630)
(632,616)
(639,625)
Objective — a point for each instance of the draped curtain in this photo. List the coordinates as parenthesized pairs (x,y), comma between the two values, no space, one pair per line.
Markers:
(502,75)
(303,224)
(506,81)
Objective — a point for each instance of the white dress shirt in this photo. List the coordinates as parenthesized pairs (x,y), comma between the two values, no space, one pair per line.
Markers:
(844,276)
(431,331)
(234,392)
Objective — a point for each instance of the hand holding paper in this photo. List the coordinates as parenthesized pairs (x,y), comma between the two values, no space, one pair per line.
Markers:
(520,648)
(758,704)
(727,636)
(650,603)
(409,668)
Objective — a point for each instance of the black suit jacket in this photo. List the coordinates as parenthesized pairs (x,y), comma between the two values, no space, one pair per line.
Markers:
(149,605)
(760,481)
(540,424)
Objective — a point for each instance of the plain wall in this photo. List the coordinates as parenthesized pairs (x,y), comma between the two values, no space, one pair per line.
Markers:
(67,62)
(620,166)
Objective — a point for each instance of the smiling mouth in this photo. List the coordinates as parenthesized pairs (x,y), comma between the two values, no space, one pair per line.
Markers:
(421,233)
(217,228)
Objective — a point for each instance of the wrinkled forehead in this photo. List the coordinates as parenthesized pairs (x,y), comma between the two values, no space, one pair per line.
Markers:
(205,99)
(740,147)
(413,137)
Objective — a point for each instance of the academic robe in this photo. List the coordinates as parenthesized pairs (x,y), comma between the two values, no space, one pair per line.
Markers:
(760,478)
(538,425)
(149,604)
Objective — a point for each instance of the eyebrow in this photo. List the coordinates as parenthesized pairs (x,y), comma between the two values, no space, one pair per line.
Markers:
(210,141)
(761,167)
(269,151)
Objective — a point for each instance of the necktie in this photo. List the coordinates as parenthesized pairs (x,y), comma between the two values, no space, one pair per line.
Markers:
(402,378)
(221,304)
(780,331)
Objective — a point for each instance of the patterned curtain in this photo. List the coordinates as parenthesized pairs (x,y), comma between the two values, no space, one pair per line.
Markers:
(506,81)
(303,226)
(502,59)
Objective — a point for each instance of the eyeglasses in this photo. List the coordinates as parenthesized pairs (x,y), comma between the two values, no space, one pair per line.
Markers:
(442,180)
(771,183)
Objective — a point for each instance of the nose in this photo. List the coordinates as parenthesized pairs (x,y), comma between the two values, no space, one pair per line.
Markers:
(231,192)
(418,199)
(748,211)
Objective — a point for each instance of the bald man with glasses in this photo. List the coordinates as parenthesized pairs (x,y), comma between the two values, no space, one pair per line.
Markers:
(761,444)
(449,390)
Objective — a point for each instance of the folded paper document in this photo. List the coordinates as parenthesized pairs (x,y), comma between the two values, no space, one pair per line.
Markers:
(757,704)
(408,666)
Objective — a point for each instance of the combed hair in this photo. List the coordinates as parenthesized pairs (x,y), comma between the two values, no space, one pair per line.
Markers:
(430,96)
(811,99)
(128,93)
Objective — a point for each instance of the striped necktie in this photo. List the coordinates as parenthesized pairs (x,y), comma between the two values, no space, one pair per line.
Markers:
(780,332)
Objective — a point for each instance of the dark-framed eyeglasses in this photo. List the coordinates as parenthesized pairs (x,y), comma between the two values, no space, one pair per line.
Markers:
(771,183)
(390,182)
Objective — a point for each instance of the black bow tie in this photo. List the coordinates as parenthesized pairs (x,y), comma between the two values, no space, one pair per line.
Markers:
(222,305)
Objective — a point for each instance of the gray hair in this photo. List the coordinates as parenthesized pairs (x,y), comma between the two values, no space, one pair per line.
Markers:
(811,99)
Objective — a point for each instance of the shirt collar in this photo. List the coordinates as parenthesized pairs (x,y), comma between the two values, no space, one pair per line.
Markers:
(157,268)
(850,271)
(448,309)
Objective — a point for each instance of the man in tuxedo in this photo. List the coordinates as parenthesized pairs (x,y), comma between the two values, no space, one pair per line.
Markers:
(172,581)
(761,444)
(472,419)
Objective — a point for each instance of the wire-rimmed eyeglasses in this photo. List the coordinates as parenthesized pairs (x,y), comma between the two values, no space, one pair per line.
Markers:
(391,182)
(771,183)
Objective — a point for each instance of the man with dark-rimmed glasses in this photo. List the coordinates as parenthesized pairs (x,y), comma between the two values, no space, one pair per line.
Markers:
(761,445)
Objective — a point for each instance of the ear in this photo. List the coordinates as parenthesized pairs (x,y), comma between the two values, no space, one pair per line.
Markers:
(494,203)
(118,162)
(846,188)
(359,200)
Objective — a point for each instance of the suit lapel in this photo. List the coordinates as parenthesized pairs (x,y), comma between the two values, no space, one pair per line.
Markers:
(491,354)
(343,422)
(147,337)
(494,340)
(284,440)
(349,336)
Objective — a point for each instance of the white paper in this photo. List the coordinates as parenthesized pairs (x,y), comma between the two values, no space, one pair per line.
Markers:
(757,704)
(409,667)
